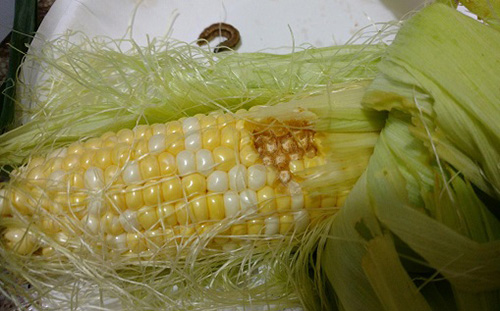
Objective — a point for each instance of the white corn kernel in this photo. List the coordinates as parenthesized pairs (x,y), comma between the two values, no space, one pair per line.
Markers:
(204,162)
(248,200)
(231,203)
(237,178)
(157,143)
(257,177)
(189,125)
(218,182)
(192,141)
(272,225)
(186,162)
(94,178)
(131,173)
(297,197)
(128,220)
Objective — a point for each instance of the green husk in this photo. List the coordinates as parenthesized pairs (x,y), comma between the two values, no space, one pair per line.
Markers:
(419,196)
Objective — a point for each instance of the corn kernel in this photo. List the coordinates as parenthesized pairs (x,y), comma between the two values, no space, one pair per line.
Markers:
(224,158)
(110,223)
(102,158)
(207,122)
(116,200)
(174,127)
(142,131)
(112,175)
(75,148)
(194,184)
(210,138)
(312,201)
(70,162)
(121,154)
(166,161)
(141,148)
(181,212)
(154,238)
(93,143)
(248,156)
(159,129)
(215,203)
(296,166)
(198,209)
(255,226)
(149,167)
(87,158)
(266,199)
(135,242)
(167,215)
(174,143)
(239,229)
(230,137)
(19,240)
(147,217)
(328,201)
(286,223)
(172,189)
(152,193)
(133,197)
(125,136)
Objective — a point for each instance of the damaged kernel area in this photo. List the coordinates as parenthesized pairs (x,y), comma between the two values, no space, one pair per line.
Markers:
(221,178)
(282,144)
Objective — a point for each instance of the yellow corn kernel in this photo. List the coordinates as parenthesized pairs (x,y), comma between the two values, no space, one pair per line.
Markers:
(113,175)
(312,201)
(174,127)
(116,199)
(266,199)
(75,179)
(102,158)
(166,162)
(313,162)
(328,201)
(37,176)
(283,199)
(172,189)
(149,167)
(248,156)
(174,143)
(159,128)
(121,154)
(75,148)
(167,215)
(152,194)
(207,122)
(224,158)
(198,209)
(87,158)
(110,223)
(255,226)
(93,143)
(194,184)
(53,164)
(215,203)
(240,124)
(296,166)
(224,119)
(184,233)
(125,136)
(230,137)
(141,148)
(110,142)
(148,217)
(133,198)
(210,138)
(286,223)
(70,162)
(22,202)
(142,131)
(49,225)
(181,212)
(19,240)
(239,229)
(136,242)
(246,139)
(155,238)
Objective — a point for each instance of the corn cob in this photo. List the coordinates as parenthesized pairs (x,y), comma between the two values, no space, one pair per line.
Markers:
(228,177)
